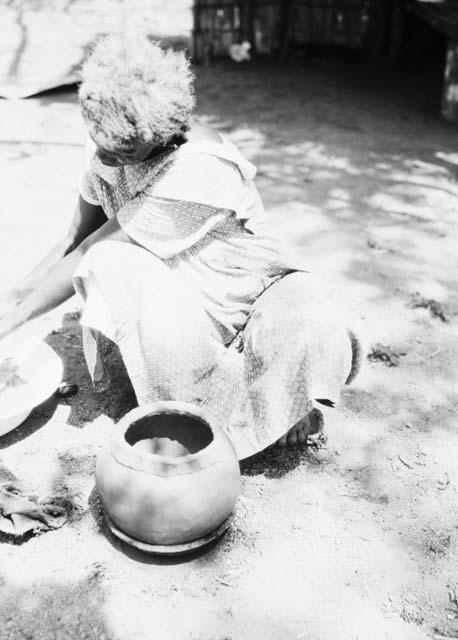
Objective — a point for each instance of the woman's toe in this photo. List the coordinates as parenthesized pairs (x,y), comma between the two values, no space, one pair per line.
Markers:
(301,436)
(292,437)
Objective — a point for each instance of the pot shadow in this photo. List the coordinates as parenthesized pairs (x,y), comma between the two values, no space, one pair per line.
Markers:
(40,416)
(96,509)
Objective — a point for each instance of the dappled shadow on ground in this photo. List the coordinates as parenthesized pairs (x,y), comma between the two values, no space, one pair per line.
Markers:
(364,198)
(360,176)
(377,196)
(54,610)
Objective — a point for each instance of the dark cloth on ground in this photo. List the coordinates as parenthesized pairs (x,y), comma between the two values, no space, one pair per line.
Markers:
(23,513)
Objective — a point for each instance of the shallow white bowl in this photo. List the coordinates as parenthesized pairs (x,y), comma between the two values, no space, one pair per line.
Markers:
(42,370)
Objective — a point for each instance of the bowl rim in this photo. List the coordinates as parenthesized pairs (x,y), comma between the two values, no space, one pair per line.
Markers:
(40,397)
(171,549)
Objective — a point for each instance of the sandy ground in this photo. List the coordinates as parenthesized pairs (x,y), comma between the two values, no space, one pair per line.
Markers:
(358,541)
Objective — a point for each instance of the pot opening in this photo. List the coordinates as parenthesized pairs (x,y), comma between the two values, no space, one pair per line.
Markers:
(169,434)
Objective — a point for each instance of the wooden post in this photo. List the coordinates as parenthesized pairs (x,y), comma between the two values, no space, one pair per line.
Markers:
(248,23)
(450,91)
(396,32)
(377,37)
(195,46)
(286,27)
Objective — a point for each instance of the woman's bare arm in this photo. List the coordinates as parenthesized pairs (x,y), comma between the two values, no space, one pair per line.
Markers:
(87,219)
(57,286)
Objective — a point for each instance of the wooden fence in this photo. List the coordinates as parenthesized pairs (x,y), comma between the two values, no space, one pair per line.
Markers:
(270,25)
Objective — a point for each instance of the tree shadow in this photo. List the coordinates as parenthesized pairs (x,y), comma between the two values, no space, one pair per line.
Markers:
(55,610)
(87,405)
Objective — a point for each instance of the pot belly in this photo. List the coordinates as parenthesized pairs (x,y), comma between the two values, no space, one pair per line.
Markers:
(159,498)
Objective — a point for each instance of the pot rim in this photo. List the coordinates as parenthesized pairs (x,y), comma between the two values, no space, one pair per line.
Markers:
(139,460)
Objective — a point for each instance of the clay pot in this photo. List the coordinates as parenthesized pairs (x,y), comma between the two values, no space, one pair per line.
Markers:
(168,477)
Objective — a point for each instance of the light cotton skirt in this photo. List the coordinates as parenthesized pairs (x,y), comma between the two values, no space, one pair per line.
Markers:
(296,348)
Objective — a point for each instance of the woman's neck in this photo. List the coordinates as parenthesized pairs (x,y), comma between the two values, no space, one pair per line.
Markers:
(194,133)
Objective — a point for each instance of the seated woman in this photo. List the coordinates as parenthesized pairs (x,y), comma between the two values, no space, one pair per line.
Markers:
(171,253)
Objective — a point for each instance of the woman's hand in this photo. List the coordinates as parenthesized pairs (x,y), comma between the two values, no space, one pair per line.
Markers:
(57,285)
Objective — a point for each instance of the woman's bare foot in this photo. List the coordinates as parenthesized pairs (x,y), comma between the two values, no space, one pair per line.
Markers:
(311,424)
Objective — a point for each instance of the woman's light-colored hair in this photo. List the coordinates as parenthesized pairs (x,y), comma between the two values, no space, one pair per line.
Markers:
(132,90)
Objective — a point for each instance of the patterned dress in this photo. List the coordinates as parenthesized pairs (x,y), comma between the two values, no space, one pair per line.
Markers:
(207,306)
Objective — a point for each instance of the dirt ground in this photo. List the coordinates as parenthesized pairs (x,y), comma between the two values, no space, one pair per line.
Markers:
(356,541)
